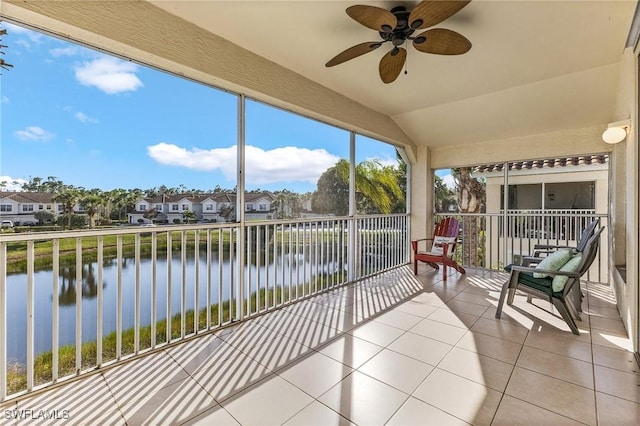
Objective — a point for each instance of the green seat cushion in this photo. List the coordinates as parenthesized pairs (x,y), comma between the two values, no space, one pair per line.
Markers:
(553,262)
(559,281)
(541,284)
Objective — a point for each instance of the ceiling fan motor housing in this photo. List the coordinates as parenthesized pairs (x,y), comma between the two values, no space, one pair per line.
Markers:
(398,35)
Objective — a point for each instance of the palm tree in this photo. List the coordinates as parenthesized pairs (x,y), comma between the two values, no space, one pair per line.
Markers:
(91,202)
(68,197)
(470,198)
(377,187)
(188,216)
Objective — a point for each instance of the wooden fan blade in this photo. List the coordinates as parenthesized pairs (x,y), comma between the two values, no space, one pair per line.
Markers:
(353,52)
(391,65)
(442,42)
(429,13)
(373,17)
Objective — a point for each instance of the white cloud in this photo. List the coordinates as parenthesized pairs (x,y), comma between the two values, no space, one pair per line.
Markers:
(33,133)
(4,100)
(83,118)
(284,164)
(111,75)
(384,162)
(448,181)
(12,184)
(64,51)
(32,37)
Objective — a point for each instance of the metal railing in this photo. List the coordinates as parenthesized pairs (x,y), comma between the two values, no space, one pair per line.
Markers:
(484,243)
(76,301)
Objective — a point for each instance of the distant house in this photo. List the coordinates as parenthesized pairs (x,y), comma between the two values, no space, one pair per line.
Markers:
(20,207)
(213,207)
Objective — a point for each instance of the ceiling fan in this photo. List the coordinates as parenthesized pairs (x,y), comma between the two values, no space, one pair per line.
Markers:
(399,25)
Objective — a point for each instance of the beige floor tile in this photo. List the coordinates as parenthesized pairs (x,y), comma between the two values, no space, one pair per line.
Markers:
(73,404)
(128,381)
(614,411)
(253,334)
(214,416)
(196,354)
(397,370)
(501,330)
(481,369)
(173,404)
(317,414)
(456,319)
(615,358)
(608,324)
(490,346)
(439,331)
(398,319)
(377,333)
(471,297)
(228,376)
(270,402)
(313,334)
(564,398)
(428,298)
(556,343)
(279,353)
(611,339)
(421,348)
(444,390)
(350,350)
(463,307)
(618,383)
(419,309)
(564,368)
(418,413)
(600,311)
(363,400)
(315,373)
(514,412)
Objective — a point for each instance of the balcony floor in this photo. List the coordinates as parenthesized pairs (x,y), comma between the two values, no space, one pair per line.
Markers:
(395,349)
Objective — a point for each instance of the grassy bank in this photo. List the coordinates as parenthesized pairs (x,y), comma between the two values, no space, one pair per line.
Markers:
(17,377)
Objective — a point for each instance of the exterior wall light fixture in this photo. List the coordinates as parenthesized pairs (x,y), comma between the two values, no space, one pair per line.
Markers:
(616,132)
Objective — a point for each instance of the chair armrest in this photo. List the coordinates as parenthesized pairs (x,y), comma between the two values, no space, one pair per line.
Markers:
(529,260)
(414,243)
(549,246)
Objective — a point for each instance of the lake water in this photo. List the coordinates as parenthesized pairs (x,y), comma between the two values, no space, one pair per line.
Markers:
(301,267)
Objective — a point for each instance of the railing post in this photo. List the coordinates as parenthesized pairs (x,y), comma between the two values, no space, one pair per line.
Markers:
(505,217)
(3,321)
(352,231)
(240,206)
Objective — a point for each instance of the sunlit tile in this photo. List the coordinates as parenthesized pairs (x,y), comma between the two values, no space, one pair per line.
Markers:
(317,414)
(302,373)
(378,333)
(499,349)
(446,391)
(418,413)
(364,400)
(397,370)
(513,411)
(421,348)
(439,331)
(481,369)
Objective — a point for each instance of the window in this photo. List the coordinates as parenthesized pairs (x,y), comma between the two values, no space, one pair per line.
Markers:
(6,207)
(174,207)
(185,207)
(143,207)
(48,206)
(60,207)
(262,207)
(159,207)
(40,207)
(27,207)
(249,206)
(208,207)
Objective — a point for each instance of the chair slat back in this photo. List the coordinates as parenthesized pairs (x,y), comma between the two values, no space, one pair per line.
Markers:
(590,251)
(448,227)
(586,235)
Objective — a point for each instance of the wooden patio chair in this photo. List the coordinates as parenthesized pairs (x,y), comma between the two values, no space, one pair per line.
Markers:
(442,249)
(556,286)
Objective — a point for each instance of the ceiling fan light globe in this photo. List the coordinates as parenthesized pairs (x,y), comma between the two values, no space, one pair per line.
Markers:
(386,28)
(416,24)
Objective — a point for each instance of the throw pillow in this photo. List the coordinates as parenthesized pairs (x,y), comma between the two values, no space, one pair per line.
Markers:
(553,262)
(437,247)
(572,265)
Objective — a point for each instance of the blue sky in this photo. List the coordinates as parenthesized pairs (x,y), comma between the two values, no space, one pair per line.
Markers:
(97,121)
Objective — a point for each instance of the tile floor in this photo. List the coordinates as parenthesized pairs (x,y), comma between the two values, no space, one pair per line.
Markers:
(395,349)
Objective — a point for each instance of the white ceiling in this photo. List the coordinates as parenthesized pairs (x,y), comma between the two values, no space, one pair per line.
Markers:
(535,66)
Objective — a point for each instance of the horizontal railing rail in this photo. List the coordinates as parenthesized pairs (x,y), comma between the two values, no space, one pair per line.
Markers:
(74,301)
(484,243)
